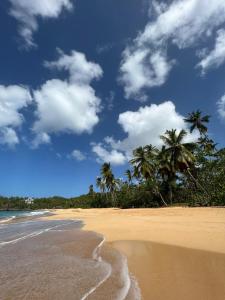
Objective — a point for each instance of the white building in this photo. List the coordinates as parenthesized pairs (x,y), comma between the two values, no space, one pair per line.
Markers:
(29,200)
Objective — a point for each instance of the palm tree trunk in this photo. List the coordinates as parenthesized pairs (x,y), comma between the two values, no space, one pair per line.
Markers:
(170,195)
(197,183)
(164,202)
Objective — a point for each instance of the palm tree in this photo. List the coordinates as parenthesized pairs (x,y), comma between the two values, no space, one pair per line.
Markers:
(144,163)
(100,184)
(136,174)
(207,144)
(129,176)
(197,121)
(91,190)
(178,156)
(109,179)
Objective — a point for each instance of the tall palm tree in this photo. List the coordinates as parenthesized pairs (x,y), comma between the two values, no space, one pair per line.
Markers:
(109,179)
(207,144)
(107,174)
(129,176)
(144,163)
(136,174)
(177,156)
(91,190)
(100,184)
(197,121)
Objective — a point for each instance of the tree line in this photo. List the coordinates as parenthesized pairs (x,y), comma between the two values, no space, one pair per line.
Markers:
(178,173)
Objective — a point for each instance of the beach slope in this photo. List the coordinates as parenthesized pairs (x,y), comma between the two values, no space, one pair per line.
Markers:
(174,253)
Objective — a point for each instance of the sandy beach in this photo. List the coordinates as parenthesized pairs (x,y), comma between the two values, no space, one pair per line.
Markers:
(174,253)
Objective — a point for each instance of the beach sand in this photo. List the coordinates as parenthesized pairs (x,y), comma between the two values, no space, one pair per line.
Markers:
(174,253)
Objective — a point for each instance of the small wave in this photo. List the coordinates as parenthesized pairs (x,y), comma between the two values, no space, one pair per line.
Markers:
(96,256)
(6,220)
(33,234)
(36,213)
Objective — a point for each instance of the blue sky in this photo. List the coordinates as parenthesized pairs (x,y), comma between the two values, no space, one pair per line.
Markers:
(82,82)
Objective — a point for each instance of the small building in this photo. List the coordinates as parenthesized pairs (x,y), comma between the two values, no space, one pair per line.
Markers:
(29,200)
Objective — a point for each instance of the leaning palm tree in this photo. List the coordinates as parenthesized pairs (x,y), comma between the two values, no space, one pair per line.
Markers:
(177,156)
(197,121)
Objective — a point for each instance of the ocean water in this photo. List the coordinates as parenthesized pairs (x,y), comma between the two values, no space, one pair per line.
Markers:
(6,216)
(55,259)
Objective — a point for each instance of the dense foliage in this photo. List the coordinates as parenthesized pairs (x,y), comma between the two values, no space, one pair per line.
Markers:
(181,172)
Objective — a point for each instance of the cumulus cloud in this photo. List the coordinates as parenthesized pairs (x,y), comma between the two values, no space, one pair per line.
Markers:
(40,138)
(140,69)
(221,107)
(216,57)
(70,105)
(78,155)
(144,127)
(13,99)
(27,12)
(113,156)
(182,23)
(8,136)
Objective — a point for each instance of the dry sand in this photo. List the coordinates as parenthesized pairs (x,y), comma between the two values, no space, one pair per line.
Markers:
(175,253)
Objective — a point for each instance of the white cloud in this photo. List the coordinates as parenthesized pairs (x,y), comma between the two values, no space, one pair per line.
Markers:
(103,155)
(221,107)
(78,155)
(80,70)
(71,105)
(144,127)
(13,98)
(8,137)
(183,23)
(40,138)
(27,12)
(216,57)
(140,69)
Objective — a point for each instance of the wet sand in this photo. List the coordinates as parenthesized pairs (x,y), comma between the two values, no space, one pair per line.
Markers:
(54,259)
(175,253)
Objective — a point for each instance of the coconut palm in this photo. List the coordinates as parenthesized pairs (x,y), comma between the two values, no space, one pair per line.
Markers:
(109,179)
(129,176)
(177,156)
(145,165)
(100,184)
(197,121)
(207,144)
(180,154)
(136,174)
(91,190)
(142,163)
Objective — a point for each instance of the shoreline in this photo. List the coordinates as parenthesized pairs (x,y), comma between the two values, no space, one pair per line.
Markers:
(162,241)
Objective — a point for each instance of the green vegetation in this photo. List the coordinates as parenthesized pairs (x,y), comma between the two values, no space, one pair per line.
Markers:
(180,173)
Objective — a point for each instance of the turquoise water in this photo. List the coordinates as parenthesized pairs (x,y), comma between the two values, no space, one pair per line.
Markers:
(8,215)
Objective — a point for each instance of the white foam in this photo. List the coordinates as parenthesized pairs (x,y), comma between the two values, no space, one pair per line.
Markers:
(125,277)
(97,257)
(96,251)
(33,234)
(7,220)
(126,280)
